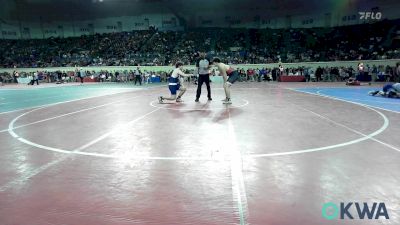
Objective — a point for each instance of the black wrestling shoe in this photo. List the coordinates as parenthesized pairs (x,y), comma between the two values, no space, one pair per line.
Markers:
(210,99)
(197,100)
(391,94)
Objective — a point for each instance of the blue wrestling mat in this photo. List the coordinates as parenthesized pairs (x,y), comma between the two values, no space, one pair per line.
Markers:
(357,95)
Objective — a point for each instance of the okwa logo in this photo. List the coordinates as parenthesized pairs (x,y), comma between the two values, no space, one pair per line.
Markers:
(376,211)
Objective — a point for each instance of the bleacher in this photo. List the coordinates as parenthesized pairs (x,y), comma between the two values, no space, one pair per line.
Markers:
(248,46)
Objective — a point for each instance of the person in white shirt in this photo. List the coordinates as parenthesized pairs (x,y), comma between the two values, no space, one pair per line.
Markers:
(15,76)
(35,78)
(361,67)
(175,84)
(281,70)
(147,77)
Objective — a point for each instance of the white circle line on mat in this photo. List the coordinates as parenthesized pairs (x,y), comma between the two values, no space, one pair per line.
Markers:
(116,156)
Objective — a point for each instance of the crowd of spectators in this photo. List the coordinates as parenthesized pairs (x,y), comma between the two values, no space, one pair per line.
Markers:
(139,76)
(250,46)
(331,74)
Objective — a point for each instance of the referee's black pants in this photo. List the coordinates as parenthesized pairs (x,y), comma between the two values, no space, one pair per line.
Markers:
(138,78)
(203,78)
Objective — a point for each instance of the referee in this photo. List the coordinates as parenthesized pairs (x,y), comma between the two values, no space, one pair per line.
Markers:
(138,76)
(203,66)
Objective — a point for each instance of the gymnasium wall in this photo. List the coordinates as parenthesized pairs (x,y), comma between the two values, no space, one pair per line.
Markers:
(73,28)
(294,19)
(339,13)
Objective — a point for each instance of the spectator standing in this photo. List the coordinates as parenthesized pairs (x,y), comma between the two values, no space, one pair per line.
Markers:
(260,74)
(117,77)
(35,78)
(15,76)
(274,74)
(307,74)
(250,74)
(361,69)
(281,70)
(397,69)
(147,76)
(318,73)
(80,75)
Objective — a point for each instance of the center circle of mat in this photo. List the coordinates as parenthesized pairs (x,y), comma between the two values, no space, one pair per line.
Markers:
(101,155)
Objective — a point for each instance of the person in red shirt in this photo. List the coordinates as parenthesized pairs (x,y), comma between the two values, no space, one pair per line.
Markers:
(250,74)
